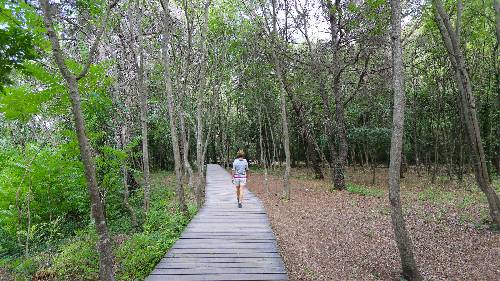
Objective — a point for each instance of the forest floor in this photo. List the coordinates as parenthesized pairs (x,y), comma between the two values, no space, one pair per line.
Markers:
(347,235)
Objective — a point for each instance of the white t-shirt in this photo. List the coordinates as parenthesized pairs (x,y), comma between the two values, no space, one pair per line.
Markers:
(240,168)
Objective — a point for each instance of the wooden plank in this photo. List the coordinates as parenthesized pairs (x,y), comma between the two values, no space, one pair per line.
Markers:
(218,260)
(218,277)
(224,255)
(215,265)
(230,270)
(221,251)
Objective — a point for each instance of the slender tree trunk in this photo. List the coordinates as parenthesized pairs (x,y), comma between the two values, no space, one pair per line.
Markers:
(496,148)
(497,29)
(308,137)
(28,217)
(143,98)
(262,157)
(171,107)
(185,92)
(200,161)
(452,44)
(97,208)
(341,137)
(271,132)
(185,146)
(410,270)
(337,135)
(126,193)
(284,119)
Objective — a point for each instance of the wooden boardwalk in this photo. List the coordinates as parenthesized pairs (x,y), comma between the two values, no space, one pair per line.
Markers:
(223,242)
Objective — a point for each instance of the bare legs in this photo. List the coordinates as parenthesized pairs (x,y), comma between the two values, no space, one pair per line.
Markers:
(239,192)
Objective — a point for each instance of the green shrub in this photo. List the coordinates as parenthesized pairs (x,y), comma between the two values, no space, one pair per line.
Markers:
(78,260)
(364,191)
(138,256)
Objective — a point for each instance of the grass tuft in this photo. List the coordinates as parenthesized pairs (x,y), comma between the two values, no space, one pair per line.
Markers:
(364,191)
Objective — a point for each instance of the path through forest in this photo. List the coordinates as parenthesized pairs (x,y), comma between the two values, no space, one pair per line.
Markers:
(223,242)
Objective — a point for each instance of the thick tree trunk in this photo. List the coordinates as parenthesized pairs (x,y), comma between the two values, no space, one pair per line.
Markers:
(97,207)
(452,44)
(171,107)
(410,270)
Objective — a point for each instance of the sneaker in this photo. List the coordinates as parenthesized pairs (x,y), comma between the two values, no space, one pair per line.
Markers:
(239,205)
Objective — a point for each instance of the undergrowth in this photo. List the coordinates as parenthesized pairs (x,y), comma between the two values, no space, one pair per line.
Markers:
(364,191)
(136,252)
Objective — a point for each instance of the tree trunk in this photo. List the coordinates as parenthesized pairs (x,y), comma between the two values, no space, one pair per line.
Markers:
(185,146)
(143,98)
(182,115)
(126,193)
(338,134)
(171,107)
(452,44)
(262,157)
(496,148)
(200,161)
(97,208)
(341,137)
(410,270)
(284,119)
(308,137)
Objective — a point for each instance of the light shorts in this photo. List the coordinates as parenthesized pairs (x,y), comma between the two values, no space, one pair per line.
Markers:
(238,181)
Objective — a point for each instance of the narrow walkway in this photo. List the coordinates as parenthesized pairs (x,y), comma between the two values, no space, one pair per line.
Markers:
(223,242)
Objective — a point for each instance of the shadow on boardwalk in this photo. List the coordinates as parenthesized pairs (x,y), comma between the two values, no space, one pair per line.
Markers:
(223,242)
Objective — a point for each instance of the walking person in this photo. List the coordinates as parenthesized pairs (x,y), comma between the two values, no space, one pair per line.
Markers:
(240,175)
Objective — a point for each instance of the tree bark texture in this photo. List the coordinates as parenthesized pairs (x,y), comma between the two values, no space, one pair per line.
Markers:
(410,270)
